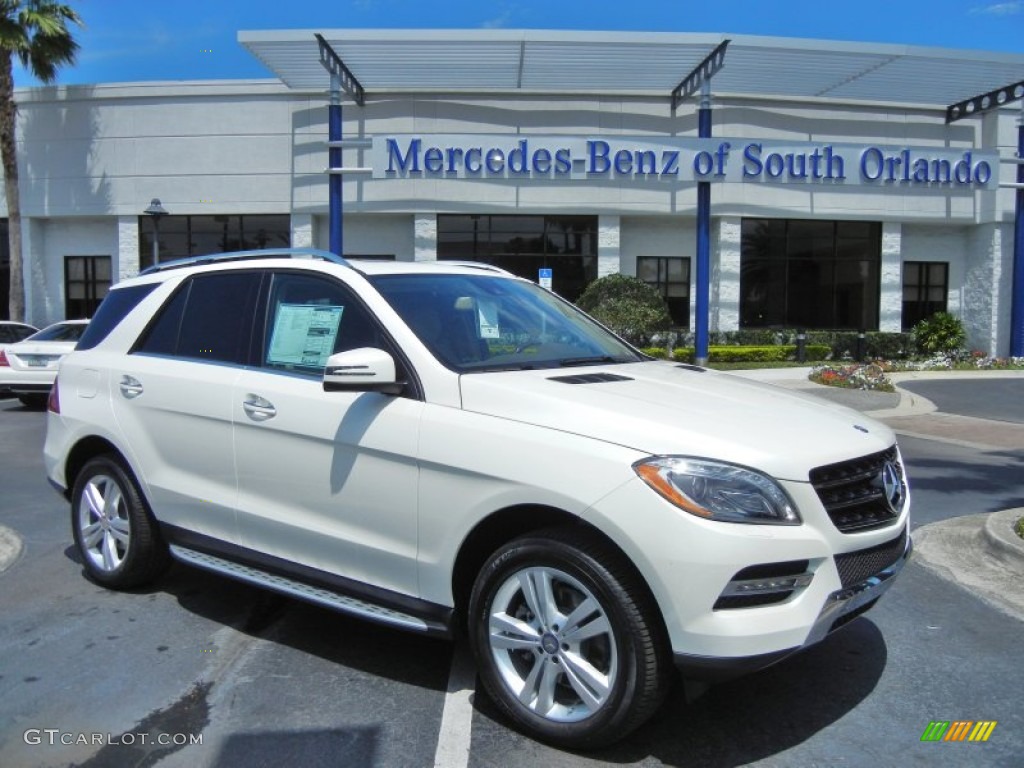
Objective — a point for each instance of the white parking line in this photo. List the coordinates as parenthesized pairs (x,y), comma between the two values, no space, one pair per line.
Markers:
(457,717)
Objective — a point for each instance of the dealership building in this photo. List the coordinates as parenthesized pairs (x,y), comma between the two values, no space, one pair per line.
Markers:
(842,190)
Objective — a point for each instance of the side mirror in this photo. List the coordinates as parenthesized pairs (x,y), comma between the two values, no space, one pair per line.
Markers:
(362,370)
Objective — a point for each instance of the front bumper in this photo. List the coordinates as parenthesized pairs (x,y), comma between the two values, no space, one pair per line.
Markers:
(841,607)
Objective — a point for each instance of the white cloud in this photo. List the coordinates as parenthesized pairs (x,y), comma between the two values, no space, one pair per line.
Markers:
(498,21)
(1000,9)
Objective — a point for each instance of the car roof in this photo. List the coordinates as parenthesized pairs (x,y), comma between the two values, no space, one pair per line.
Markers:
(307,259)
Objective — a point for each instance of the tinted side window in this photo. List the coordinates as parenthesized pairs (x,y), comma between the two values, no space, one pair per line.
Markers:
(115,307)
(209,318)
(309,318)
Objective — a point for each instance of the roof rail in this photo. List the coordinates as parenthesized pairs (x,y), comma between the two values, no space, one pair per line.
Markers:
(266,253)
(472,265)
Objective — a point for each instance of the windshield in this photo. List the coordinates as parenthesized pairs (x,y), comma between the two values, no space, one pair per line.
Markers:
(488,323)
(59,332)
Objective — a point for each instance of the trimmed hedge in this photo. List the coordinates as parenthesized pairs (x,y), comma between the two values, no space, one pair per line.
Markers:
(776,353)
(878,345)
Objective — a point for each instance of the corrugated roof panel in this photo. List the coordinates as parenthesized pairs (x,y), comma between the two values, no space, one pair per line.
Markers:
(623,62)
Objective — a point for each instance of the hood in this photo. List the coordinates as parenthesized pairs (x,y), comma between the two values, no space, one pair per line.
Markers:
(664,408)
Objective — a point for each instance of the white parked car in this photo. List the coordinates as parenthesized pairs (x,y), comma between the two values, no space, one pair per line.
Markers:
(448,448)
(11,333)
(28,368)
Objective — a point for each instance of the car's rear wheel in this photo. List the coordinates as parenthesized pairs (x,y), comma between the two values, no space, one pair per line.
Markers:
(33,401)
(115,534)
(567,639)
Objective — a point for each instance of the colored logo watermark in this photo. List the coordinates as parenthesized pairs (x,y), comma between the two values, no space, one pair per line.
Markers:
(959,730)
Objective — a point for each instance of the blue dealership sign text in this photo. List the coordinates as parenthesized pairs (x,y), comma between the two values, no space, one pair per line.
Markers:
(646,159)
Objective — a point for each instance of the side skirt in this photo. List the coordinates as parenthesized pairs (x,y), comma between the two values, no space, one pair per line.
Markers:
(309,584)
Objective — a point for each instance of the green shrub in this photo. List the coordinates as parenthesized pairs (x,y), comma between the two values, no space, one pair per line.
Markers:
(775,353)
(886,345)
(659,352)
(942,333)
(627,305)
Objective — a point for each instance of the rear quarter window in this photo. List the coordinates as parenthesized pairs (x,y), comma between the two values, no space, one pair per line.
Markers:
(114,308)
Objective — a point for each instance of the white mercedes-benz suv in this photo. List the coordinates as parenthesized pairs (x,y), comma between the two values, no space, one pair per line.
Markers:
(447,448)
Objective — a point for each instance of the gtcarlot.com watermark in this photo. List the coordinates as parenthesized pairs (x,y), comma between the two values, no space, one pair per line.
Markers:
(55,736)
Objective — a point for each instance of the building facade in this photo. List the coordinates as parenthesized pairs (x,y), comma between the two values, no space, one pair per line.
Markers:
(827,212)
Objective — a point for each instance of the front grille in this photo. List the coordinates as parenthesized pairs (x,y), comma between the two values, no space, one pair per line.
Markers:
(855,567)
(853,493)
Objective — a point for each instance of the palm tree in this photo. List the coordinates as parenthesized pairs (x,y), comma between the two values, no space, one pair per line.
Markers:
(36,31)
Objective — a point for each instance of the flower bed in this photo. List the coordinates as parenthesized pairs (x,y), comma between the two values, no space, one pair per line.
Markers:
(866,376)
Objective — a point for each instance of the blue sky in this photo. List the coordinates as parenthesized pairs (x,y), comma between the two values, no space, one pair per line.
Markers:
(131,40)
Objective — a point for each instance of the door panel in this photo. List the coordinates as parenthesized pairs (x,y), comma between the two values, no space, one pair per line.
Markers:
(326,479)
(176,415)
(330,479)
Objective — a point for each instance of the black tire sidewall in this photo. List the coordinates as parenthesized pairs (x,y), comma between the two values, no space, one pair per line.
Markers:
(146,553)
(602,727)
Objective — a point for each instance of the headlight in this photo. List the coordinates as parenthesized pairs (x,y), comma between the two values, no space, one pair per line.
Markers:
(718,491)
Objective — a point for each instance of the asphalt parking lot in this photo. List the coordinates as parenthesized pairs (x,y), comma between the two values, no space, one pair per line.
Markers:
(266,681)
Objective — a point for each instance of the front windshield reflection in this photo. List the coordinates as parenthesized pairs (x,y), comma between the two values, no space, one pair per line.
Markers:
(475,323)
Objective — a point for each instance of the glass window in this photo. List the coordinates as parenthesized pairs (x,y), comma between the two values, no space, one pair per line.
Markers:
(183,236)
(59,332)
(310,318)
(210,318)
(112,311)
(810,274)
(524,245)
(484,322)
(925,290)
(671,277)
(86,282)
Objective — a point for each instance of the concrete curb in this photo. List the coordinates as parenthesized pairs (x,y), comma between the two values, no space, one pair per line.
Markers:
(1002,541)
(10,548)
(977,553)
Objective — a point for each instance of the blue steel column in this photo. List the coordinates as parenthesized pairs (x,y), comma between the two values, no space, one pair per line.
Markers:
(1017,299)
(334,157)
(703,238)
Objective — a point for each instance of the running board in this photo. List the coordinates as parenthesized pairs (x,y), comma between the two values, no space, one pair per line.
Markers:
(297,589)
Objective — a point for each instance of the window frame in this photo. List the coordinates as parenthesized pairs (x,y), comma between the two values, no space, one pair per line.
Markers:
(91,284)
(662,283)
(795,254)
(243,357)
(922,288)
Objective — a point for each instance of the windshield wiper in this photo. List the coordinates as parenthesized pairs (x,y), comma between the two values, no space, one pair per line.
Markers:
(570,361)
(498,368)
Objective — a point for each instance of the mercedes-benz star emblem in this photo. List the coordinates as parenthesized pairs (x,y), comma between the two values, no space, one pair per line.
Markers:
(892,486)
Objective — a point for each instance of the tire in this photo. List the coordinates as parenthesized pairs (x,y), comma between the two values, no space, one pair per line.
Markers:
(570,691)
(33,401)
(115,533)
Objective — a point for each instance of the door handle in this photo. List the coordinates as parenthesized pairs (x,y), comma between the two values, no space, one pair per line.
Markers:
(257,408)
(130,387)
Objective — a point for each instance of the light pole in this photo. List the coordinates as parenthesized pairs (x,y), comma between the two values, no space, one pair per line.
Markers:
(155,211)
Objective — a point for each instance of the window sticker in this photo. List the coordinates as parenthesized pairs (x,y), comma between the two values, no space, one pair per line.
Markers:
(303,334)
(487,317)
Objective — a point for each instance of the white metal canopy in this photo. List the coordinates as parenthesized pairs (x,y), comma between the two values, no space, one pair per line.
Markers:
(505,61)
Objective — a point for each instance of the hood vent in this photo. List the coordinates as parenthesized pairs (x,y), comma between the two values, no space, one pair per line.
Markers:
(590,378)
(694,368)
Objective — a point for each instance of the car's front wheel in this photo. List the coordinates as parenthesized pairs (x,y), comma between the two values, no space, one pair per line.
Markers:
(115,534)
(567,639)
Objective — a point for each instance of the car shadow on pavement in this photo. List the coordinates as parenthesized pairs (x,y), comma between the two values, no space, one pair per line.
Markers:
(748,719)
(337,638)
(742,721)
